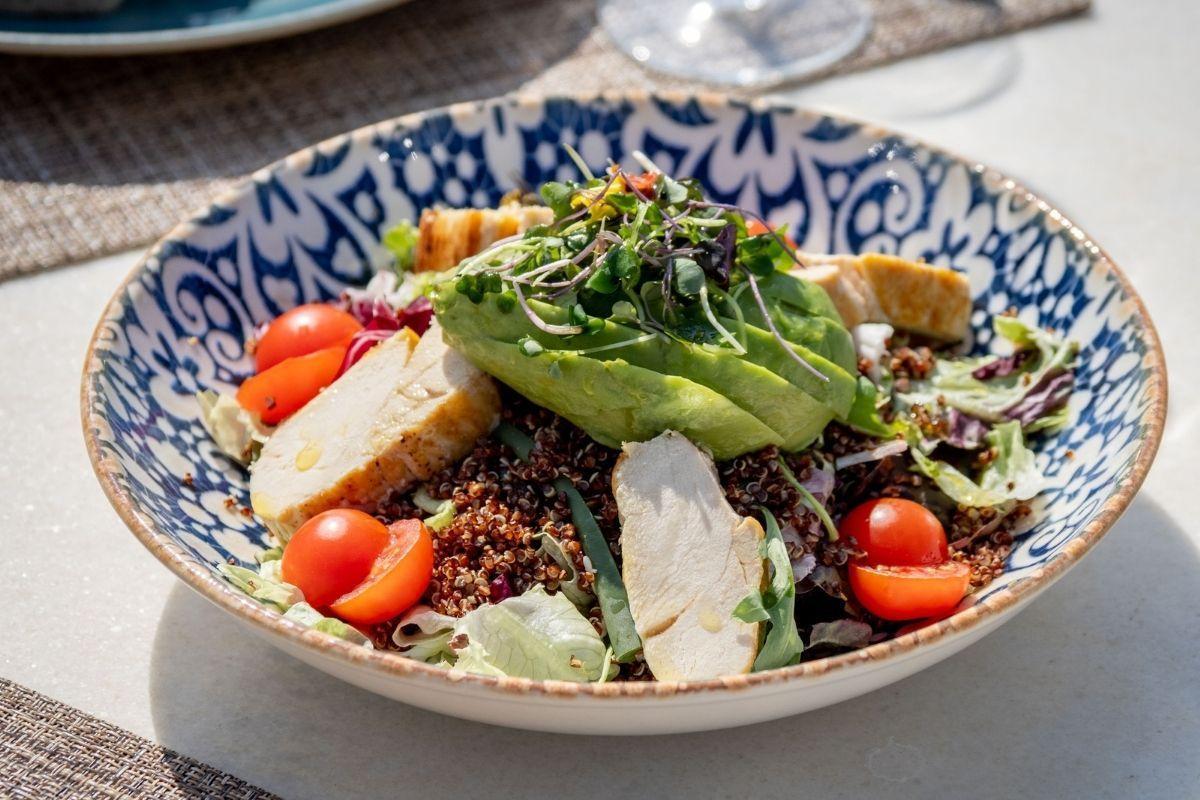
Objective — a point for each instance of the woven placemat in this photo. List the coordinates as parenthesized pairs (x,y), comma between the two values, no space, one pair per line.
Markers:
(101,155)
(48,749)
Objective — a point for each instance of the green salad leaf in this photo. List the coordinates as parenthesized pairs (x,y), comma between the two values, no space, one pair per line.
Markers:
(992,400)
(534,635)
(774,605)
(609,587)
(569,586)
(268,587)
(1013,473)
(238,433)
(401,240)
(309,617)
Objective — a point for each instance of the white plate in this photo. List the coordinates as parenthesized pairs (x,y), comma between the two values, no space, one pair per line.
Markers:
(258,20)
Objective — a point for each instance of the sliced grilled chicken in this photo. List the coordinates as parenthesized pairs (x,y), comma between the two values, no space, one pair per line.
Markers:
(403,412)
(689,559)
(448,235)
(914,296)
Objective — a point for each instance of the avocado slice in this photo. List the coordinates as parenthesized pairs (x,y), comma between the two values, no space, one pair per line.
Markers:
(796,412)
(614,401)
(804,315)
(764,349)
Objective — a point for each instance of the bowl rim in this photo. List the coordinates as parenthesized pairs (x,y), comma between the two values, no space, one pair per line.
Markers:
(393,664)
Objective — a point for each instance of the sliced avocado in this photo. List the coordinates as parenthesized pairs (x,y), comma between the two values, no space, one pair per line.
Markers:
(765,350)
(804,315)
(614,401)
(805,296)
(796,412)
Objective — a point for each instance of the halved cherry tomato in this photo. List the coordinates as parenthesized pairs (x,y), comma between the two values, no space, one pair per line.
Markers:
(756,228)
(284,389)
(896,532)
(397,580)
(332,553)
(901,593)
(303,330)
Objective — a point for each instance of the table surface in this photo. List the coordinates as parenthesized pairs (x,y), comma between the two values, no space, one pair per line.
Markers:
(1091,692)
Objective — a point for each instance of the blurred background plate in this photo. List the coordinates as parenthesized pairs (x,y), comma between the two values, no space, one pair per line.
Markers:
(159,26)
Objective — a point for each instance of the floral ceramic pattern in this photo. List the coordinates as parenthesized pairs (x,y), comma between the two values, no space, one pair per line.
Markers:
(307,226)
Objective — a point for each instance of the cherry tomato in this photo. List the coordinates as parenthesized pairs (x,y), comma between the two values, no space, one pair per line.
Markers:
(285,388)
(397,580)
(901,593)
(303,330)
(756,228)
(332,553)
(896,532)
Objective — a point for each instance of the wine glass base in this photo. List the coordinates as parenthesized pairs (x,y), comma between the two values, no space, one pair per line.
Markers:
(737,42)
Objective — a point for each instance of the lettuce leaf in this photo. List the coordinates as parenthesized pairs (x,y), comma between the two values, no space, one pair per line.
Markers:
(840,633)
(401,240)
(1014,471)
(1012,475)
(268,587)
(1001,398)
(569,586)
(775,605)
(309,617)
(238,433)
(534,635)
(265,590)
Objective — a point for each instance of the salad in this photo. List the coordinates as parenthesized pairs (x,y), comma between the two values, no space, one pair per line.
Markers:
(618,431)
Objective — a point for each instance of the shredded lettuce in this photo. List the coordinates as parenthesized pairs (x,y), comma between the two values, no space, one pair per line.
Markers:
(444,516)
(534,635)
(776,604)
(238,433)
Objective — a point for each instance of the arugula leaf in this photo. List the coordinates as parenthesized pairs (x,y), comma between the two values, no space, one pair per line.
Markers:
(774,605)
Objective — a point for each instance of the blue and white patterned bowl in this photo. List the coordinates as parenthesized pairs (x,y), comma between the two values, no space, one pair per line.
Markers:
(305,227)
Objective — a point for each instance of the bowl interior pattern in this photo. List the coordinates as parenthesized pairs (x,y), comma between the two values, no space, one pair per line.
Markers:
(307,226)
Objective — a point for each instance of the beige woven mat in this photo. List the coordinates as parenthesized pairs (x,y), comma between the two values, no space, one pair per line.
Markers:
(97,156)
(48,749)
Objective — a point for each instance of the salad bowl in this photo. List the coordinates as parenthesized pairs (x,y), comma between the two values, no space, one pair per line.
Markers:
(306,227)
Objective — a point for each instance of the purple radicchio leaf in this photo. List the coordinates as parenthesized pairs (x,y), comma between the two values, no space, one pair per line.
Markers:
(1002,366)
(840,633)
(964,431)
(1048,394)
(826,579)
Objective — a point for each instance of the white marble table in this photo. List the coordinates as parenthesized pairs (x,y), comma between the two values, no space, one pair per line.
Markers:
(1092,692)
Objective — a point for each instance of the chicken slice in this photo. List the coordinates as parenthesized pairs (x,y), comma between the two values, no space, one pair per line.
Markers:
(911,295)
(448,235)
(406,410)
(688,560)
